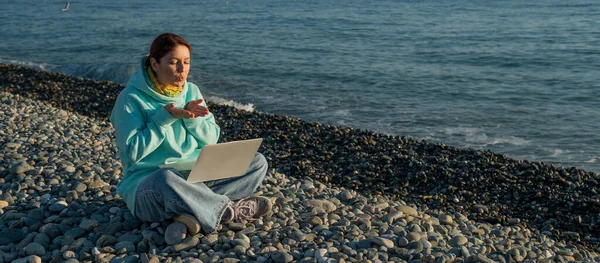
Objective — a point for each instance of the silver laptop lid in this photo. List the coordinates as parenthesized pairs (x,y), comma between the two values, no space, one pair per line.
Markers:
(224,160)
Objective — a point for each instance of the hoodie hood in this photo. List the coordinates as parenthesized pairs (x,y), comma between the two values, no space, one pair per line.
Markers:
(142,82)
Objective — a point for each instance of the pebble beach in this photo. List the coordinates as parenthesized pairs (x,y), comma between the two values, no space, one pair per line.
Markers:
(340,194)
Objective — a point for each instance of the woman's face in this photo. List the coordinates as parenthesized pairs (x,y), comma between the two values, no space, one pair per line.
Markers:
(174,67)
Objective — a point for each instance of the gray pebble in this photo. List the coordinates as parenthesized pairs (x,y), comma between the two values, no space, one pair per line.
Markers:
(35,249)
(80,187)
(240,242)
(29,259)
(58,206)
(282,257)
(175,233)
(457,241)
(68,254)
(445,219)
(106,240)
(407,210)
(187,243)
(380,241)
(402,241)
(345,195)
(21,167)
(130,237)
(128,246)
(10,235)
(236,226)
(89,224)
(231,260)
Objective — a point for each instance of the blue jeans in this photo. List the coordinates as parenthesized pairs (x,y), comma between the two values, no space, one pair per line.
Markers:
(165,193)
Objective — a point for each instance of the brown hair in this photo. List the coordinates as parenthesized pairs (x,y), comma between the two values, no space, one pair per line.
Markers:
(163,44)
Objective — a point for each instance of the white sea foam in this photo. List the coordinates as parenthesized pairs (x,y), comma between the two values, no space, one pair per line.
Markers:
(461,131)
(221,101)
(41,66)
(476,136)
(512,140)
(341,113)
(557,152)
(119,73)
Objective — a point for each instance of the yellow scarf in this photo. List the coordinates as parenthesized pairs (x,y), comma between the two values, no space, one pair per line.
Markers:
(167,90)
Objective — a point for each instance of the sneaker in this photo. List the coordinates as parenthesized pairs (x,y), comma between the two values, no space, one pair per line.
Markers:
(190,221)
(228,213)
(251,208)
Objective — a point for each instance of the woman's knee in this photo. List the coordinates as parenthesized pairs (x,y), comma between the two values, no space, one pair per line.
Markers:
(260,161)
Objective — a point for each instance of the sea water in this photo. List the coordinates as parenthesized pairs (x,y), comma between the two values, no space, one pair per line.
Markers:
(515,77)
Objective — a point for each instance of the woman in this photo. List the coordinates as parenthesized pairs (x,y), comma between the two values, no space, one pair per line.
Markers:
(161,118)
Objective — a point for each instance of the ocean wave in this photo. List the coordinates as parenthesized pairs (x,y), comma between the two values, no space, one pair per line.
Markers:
(119,73)
(238,105)
(41,66)
(512,140)
(341,113)
(477,136)
(461,131)
(557,152)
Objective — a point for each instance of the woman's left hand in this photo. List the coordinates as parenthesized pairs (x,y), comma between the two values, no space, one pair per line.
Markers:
(195,106)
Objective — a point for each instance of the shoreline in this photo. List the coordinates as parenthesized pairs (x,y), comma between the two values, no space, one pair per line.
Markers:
(481,185)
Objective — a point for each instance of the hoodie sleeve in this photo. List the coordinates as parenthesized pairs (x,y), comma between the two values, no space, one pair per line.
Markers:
(204,129)
(137,136)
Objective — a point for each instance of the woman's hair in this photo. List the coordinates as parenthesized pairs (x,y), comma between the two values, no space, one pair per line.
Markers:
(163,44)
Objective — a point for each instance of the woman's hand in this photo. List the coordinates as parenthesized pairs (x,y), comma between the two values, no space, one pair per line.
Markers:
(196,108)
(179,113)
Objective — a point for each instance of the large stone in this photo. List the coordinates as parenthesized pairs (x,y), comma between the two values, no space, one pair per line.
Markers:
(58,206)
(326,205)
(446,219)
(175,233)
(127,259)
(457,241)
(37,214)
(127,245)
(75,233)
(10,235)
(130,237)
(113,228)
(345,195)
(21,167)
(391,216)
(89,224)
(320,255)
(80,187)
(240,242)
(145,259)
(408,210)
(282,257)
(231,260)
(29,259)
(106,240)
(210,239)
(236,226)
(380,241)
(35,249)
(187,243)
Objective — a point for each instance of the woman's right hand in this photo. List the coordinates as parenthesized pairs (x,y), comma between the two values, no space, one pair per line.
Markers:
(179,113)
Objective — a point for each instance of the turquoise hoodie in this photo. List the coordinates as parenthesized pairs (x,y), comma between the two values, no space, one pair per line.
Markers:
(148,135)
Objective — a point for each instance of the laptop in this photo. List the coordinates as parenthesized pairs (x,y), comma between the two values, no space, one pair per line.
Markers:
(219,161)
